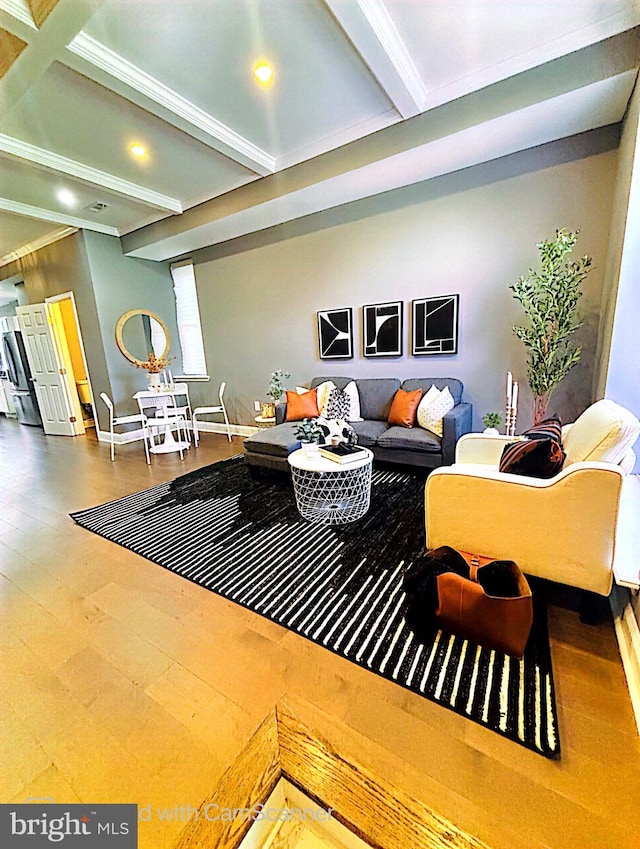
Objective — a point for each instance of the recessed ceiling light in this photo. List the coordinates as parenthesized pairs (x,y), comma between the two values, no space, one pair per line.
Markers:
(138,150)
(66,197)
(263,72)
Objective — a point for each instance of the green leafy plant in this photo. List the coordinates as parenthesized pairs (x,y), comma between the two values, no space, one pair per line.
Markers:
(492,420)
(308,430)
(549,298)
(276,385)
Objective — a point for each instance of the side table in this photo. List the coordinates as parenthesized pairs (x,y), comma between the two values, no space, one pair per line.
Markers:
(265,421)
(330,493)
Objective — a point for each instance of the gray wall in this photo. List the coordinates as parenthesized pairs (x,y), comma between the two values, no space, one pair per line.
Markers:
(8,309)
(473,233)
(120,284)
(58,268)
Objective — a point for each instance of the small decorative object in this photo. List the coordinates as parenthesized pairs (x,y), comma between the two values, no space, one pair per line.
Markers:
(549,298)
(435,325)
(154,366)
(511,410)
(309,432)
(335,334)
(492,422)
(382,330)
(268,410)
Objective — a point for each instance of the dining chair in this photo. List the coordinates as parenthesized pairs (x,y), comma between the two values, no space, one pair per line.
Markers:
(205,411)
(180,397)
(114,421)
(162,418)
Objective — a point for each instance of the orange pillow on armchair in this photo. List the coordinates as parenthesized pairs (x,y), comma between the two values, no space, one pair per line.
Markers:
(304,406)
(404,406)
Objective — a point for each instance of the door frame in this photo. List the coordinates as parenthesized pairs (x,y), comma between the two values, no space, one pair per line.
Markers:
(70,296)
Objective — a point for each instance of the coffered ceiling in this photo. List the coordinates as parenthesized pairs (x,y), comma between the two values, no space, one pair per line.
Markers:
(366,96)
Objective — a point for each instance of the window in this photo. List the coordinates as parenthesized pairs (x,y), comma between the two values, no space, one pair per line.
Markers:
(188,316)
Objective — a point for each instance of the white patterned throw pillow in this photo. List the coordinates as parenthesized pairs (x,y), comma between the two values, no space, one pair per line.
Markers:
(338,406)
(324,391)
(334,427)
(434,406)
(351,390)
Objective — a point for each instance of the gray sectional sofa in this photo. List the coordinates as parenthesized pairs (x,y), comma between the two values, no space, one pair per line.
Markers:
(407,446)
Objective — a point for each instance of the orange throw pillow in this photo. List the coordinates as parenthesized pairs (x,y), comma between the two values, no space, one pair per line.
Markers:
(404,406)
(303,406)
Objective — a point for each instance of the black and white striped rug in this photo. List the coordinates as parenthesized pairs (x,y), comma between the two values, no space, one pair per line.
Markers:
(340,586)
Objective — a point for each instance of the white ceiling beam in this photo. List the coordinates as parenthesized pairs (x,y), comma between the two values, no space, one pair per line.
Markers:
(368,26)
(40,214)
(19,10)
(61,164)
(155,97)
(61,26)
(36,244)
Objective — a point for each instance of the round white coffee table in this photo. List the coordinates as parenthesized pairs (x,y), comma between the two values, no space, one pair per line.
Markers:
(328,492)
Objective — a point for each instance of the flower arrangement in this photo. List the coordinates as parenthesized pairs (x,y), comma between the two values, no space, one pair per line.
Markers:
(154,365)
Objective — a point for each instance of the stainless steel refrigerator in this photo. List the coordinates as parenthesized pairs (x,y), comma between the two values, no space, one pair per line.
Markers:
(22,390)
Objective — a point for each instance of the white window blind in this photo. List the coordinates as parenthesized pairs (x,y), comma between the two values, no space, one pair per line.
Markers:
(188,315)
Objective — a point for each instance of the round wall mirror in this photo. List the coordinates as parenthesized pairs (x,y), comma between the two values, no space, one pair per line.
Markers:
(139,333)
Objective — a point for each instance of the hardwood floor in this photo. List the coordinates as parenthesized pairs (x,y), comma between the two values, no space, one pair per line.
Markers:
(121,682)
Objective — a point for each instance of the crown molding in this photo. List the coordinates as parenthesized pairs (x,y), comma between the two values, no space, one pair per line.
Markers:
(380,22)
(221,137)
(580,39)
(18,10)
(340,138)
(37,244)
(40,214)
(54,162)
(371,31)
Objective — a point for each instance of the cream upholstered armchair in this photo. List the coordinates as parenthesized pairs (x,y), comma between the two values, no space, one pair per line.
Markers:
(562,528)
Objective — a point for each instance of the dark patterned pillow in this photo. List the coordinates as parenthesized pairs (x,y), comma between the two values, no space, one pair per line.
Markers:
(550,428)
(337,405)
(536,457)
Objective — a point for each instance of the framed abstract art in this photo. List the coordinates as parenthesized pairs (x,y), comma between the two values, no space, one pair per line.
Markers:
(335,334)
(435,325)
(382,330)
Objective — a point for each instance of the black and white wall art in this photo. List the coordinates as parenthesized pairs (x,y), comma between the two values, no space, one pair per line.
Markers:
(435,325)
(382,330)
(335,333)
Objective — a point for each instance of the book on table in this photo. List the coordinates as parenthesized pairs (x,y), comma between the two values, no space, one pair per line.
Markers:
(343,453)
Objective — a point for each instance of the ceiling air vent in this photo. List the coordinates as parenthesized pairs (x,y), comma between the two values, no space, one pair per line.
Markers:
(97,206)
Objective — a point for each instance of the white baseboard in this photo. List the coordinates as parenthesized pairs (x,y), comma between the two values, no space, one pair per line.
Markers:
(208,427)
(628,634)
(119,438)
(216,427)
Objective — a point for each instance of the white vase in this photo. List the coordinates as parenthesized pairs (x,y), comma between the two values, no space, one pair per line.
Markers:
(311,449)
(491,431)
(154,380)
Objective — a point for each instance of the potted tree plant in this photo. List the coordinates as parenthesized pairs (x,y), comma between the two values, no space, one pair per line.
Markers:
(549,298)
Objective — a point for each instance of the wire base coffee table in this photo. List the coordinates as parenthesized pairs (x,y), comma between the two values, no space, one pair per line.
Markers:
(327,492)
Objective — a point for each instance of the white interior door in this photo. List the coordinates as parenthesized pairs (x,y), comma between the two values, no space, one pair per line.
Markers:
(47,372)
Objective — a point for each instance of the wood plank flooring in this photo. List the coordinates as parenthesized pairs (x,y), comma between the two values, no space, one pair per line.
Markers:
(122,682)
